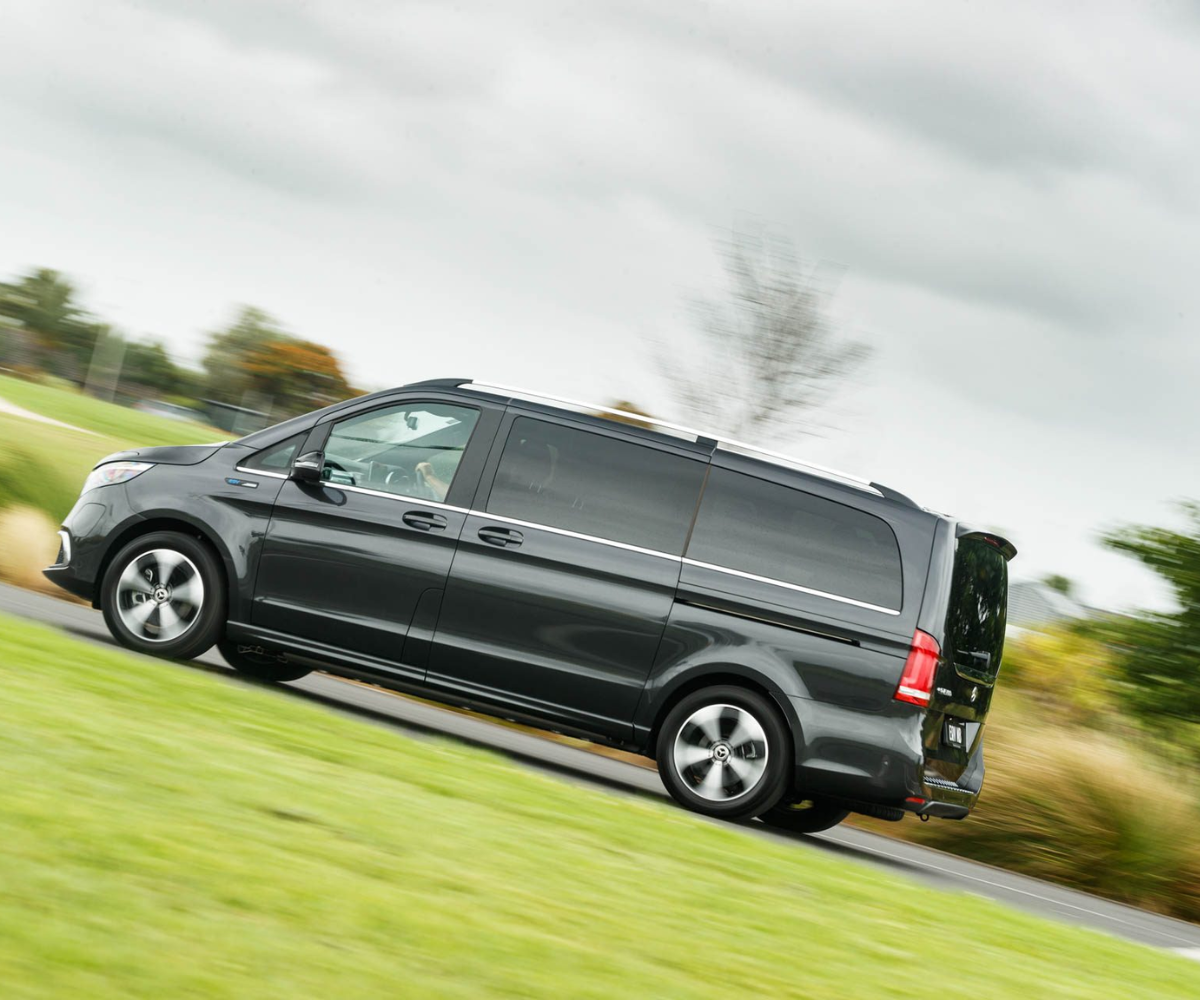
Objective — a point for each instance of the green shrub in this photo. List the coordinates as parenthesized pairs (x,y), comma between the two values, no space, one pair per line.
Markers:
(31,480)
(1067,669)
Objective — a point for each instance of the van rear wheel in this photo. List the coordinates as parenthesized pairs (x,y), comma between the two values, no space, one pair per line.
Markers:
(725,751)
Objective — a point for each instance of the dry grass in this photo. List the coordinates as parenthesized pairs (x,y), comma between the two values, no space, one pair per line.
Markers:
(28,544)
(1088,809)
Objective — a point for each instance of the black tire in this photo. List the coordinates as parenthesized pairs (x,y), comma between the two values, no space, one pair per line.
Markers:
(765,754)
(181,577)
(261,664)
(805,816)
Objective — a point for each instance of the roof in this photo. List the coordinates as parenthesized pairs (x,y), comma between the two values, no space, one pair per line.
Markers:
(659,429)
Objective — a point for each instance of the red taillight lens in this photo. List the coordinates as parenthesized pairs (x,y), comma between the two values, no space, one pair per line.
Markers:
(917,682)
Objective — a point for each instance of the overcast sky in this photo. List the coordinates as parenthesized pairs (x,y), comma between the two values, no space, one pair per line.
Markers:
(528,192)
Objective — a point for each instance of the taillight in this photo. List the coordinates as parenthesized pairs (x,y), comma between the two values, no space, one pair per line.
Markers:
(916,684)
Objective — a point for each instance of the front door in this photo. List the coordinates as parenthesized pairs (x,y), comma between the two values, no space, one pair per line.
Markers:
(565,575)
(357,563)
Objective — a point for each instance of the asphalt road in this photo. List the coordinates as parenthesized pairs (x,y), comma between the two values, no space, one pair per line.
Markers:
(419,719)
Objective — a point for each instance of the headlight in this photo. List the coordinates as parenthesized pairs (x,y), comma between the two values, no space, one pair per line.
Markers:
(114,472)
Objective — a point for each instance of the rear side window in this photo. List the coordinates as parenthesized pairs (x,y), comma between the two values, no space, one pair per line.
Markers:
(596,485)
(277,458)
(775,531)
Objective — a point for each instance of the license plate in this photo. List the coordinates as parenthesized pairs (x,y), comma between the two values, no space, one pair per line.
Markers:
(954,734)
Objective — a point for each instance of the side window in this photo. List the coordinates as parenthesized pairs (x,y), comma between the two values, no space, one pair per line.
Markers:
(412,449)
(277,458)
(596,485)
(770,530)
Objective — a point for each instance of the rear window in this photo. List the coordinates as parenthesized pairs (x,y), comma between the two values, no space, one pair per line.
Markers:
(775,531)
(596,485)
(978,608)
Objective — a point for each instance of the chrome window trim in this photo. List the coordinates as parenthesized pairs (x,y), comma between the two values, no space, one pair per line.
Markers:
(566,533)
(575,534)
(258,472)
(790,586)
(419,501)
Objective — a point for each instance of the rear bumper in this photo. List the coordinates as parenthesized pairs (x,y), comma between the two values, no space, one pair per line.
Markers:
(876,758)
(943,799)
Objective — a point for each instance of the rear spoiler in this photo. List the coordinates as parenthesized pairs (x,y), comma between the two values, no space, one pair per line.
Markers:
(1007,549)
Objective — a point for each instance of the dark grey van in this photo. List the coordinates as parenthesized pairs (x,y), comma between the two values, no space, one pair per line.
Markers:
(786,641)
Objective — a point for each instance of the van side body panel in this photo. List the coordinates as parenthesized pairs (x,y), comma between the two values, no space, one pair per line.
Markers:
(832,666)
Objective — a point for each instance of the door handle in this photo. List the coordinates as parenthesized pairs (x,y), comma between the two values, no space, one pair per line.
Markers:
(503,537)
(424,521)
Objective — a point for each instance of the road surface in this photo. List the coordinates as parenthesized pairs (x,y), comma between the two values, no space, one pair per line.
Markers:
(419,719)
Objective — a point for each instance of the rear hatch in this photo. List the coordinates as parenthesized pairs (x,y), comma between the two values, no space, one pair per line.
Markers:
(972,646)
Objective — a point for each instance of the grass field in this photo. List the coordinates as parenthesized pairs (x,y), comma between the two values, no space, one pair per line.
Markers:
(121,423)
(169,833)
(43,466)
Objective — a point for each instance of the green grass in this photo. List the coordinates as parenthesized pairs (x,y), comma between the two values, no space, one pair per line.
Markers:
(120,423)
(43,466)
(168,833)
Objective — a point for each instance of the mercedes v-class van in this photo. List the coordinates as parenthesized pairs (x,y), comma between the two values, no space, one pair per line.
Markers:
(786,641)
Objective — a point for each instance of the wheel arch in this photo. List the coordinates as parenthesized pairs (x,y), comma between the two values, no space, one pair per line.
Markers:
(714,675)
(179,523)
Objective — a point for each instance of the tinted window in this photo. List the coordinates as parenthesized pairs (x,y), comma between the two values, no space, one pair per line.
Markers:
(277,458)
(770,530)
(596,485)
(978,607)
(412,449)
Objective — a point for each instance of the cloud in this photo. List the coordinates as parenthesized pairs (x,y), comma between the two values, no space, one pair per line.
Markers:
(533,190)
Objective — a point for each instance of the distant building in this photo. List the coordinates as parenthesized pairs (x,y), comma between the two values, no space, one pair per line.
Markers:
(1034,606)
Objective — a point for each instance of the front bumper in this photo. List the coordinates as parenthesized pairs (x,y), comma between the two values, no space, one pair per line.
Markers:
(95,520)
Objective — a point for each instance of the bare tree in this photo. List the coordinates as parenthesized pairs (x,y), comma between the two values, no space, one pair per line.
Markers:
(768,355)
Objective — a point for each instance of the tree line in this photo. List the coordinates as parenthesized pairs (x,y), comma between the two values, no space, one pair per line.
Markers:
(252,362)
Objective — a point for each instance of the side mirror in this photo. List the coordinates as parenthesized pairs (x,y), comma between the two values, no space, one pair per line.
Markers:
(308,467)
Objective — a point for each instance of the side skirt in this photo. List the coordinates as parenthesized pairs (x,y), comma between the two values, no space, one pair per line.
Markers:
(398,677)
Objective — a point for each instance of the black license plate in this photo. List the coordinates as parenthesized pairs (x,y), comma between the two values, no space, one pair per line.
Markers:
(954,734)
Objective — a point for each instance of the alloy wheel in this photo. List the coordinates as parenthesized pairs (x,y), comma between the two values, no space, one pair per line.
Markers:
(159,595)
(720,752)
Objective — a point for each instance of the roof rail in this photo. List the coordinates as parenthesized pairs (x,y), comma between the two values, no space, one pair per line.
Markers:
(823,470)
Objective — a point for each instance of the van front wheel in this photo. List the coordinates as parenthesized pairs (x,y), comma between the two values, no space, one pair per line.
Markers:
(164,594)
(725,752)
